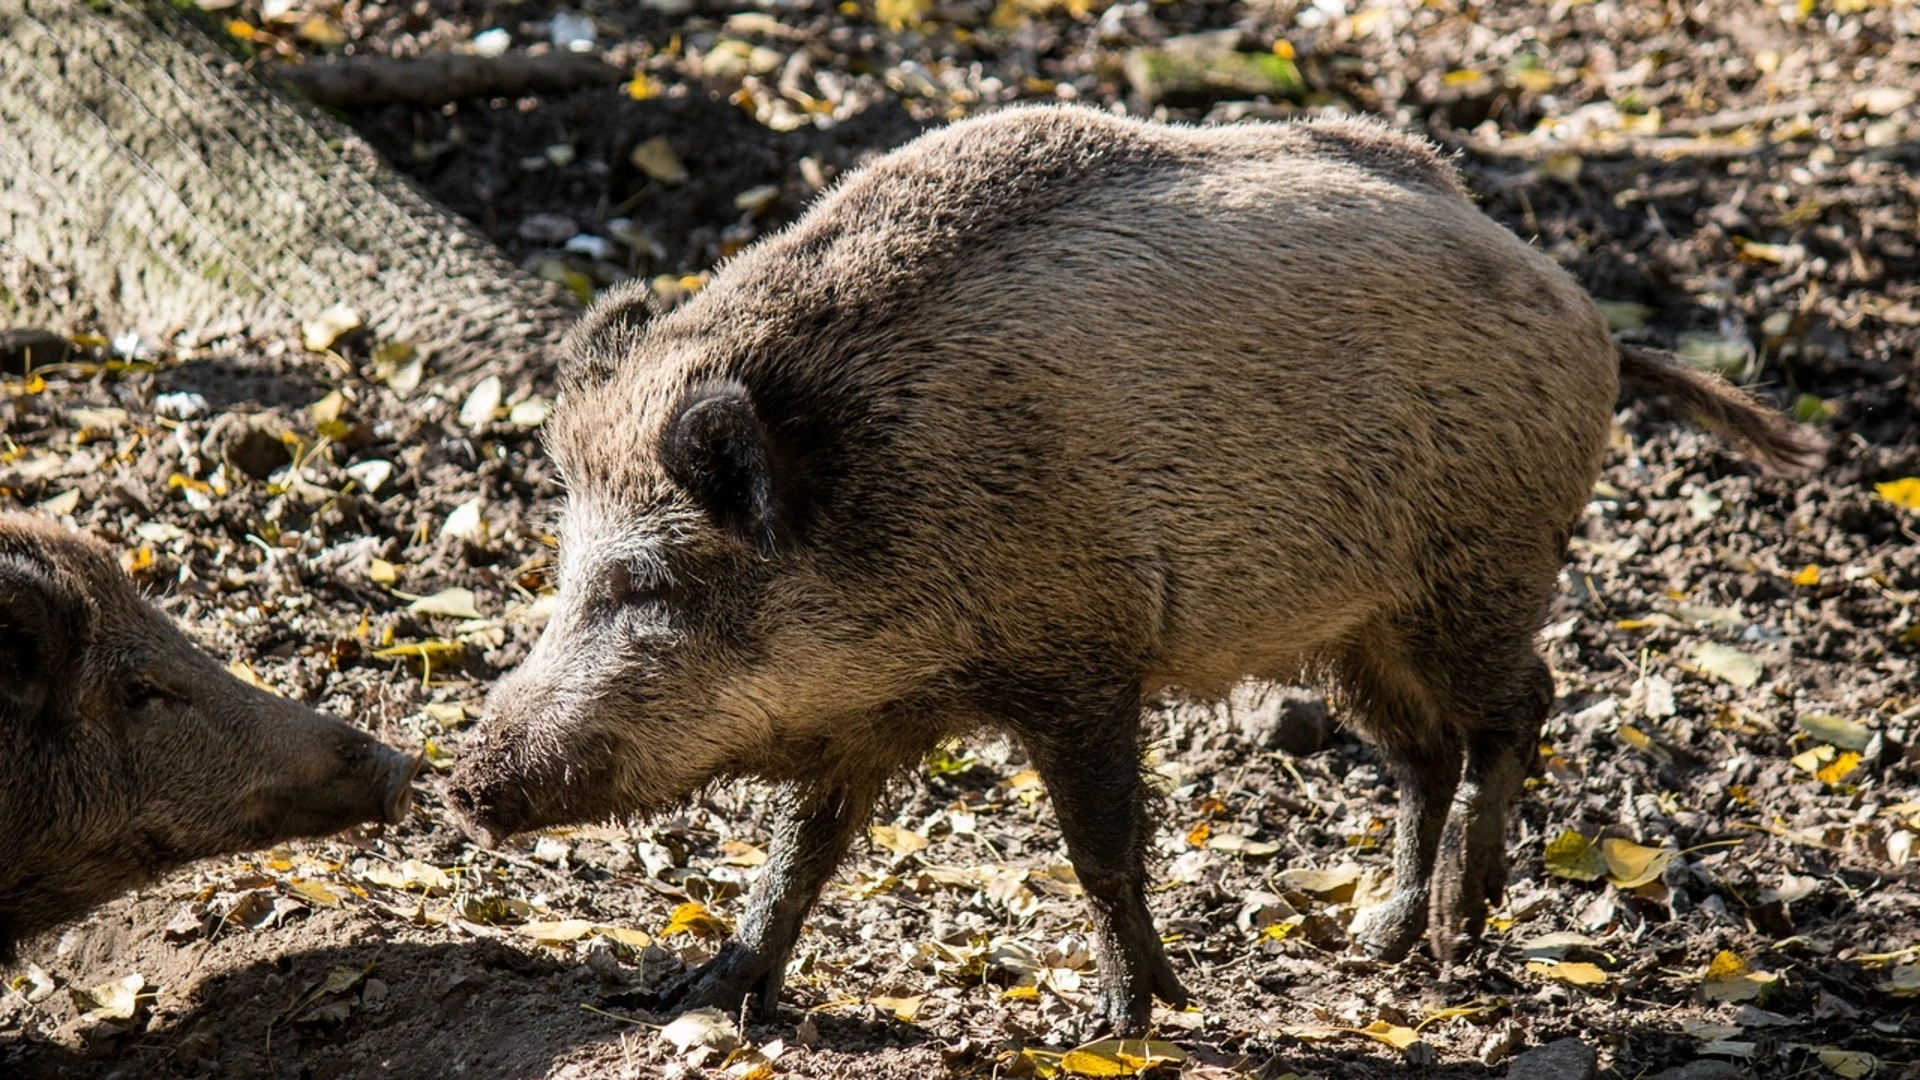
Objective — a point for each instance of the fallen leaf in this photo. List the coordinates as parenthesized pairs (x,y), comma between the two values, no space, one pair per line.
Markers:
(1573,856)
(656,158)
(1727,664)
(1334,884)
(477,412)
(741,853)
(693,918)
(1839,769)
(1844,734)
(901,842)
(1808,575)
(556,933)
(1904,492)
(1576,973)
(466,523)
(704,1028)
(1848,1063)
(1557,945)
(116,1000)
(241,670)
(1251,848)
(319,333)
(316,892)
(1392,1034)
(454,603)
(1631,865)
(1729,979)
(1120,1057)
(903,1008)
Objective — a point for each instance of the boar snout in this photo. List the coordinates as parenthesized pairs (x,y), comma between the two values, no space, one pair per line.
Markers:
(339,776)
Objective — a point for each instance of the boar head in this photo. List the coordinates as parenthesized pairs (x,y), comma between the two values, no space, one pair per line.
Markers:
(129,751)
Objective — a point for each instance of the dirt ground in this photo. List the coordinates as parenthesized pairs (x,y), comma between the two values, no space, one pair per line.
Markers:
(1737,724)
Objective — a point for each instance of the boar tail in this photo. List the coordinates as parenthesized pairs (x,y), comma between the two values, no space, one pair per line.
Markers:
(1729,412)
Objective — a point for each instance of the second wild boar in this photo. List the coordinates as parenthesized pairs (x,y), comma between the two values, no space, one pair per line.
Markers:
(125,751)
(1045,417)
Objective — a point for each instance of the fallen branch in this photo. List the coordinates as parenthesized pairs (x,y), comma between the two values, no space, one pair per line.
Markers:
(443,77)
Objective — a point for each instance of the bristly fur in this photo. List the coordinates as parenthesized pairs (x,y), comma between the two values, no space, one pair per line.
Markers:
(1064,412)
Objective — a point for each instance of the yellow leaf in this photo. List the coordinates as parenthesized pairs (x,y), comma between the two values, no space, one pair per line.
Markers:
(557,933)
(904,1009)
(642,88)
(1576,973)
(138,560)
(1028,992)
(1334,885)
(1538,80)
(1808,575)
(1841,768)
(1392,1034)
(656,158)
(1851,1064)
(382,572)
(1197,836)
(435,651)
(900,841)
(116,1000)
(1631,865)
(1729,979)
(239,669)
(1120,1057)
(635,939)
(741,853)
(695,919)
(316,892)
(1904,493)
(1574,857)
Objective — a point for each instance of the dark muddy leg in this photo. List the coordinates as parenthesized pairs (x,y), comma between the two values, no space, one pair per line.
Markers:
(1426,776)
(1397,713)
(1089,758)
(1473,855)
(810,838)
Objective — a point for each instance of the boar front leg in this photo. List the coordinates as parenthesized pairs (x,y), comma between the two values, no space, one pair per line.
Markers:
(814,829)
(1089,758)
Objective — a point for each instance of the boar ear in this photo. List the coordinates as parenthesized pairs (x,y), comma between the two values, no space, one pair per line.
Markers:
(606,335)
(719,450)
(39,632)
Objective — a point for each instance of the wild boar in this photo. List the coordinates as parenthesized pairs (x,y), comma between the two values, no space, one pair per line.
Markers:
(129,752)
(1043,418)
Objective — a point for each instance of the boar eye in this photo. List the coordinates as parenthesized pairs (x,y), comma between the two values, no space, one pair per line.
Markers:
(143,691)
(631,590)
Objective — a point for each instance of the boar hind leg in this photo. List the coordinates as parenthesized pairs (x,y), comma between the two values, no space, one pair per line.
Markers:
(1424,755)
(1473,855)
(1089,755)
(811,836)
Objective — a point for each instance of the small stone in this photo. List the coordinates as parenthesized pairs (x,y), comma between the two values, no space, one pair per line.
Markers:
(1567,1059)
(491,43)
(547,228)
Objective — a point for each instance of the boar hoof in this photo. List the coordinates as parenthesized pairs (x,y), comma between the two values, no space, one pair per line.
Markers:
(1388,932)
(1125,1009)
(724,982)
